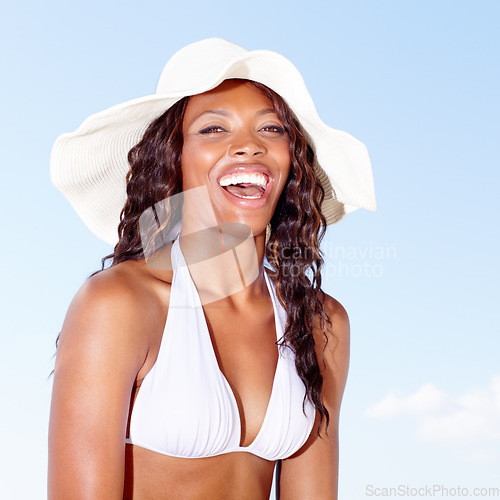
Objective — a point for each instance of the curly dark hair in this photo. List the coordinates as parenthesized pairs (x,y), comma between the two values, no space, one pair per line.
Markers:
(297,227)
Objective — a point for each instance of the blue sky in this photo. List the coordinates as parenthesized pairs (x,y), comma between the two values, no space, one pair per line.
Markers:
(418,83)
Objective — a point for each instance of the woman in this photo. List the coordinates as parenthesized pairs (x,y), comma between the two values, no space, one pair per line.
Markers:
(186,369)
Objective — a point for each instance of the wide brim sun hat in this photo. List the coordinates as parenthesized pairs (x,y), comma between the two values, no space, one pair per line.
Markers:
(89,165)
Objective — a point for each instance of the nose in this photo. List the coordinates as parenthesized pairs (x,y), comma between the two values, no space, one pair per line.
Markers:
(247,144)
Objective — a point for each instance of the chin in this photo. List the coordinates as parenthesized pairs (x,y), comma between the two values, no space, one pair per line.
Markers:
(256,227)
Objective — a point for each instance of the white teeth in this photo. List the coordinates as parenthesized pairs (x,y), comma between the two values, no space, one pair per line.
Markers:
(244,178)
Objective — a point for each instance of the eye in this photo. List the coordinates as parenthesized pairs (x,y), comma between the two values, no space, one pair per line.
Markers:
(273,128)
(213,129)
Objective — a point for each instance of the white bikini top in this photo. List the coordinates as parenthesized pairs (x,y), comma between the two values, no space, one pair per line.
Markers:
(185,407)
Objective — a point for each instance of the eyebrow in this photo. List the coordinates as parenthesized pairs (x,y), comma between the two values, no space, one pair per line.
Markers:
(223,112)
(266,111)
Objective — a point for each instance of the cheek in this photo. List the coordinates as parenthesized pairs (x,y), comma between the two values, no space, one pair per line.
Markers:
(196,162)
(284,160)
(197,152)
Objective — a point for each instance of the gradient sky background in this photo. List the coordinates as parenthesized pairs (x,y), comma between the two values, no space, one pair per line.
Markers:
(417,82)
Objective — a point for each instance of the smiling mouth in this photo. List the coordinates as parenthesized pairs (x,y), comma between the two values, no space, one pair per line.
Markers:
(248,185)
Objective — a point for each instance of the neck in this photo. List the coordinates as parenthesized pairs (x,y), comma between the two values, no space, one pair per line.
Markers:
(225,263)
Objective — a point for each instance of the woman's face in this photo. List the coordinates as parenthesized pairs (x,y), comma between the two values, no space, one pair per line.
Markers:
(236,146)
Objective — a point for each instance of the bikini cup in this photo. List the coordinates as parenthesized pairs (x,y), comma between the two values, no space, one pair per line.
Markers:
(185,407)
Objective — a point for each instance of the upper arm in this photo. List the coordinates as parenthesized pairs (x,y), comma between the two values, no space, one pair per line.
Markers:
(98,357)
(313,471)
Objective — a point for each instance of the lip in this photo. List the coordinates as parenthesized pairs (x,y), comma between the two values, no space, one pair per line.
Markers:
(247,202)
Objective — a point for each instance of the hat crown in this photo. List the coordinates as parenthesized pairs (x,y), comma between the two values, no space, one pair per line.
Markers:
(192,66)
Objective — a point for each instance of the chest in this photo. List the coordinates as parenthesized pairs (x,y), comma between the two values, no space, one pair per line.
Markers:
(247,355)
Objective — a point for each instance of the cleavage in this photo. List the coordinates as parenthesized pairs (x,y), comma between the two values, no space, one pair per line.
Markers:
(247,356)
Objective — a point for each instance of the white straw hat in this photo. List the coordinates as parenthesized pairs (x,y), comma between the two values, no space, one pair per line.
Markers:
(89,165)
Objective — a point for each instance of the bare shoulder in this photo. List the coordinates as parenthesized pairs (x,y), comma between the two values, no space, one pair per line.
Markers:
(113,312)
(338,331)
(334,307)
(333,351)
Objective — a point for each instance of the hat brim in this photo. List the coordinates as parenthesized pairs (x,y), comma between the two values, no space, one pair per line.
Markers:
(89,165)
